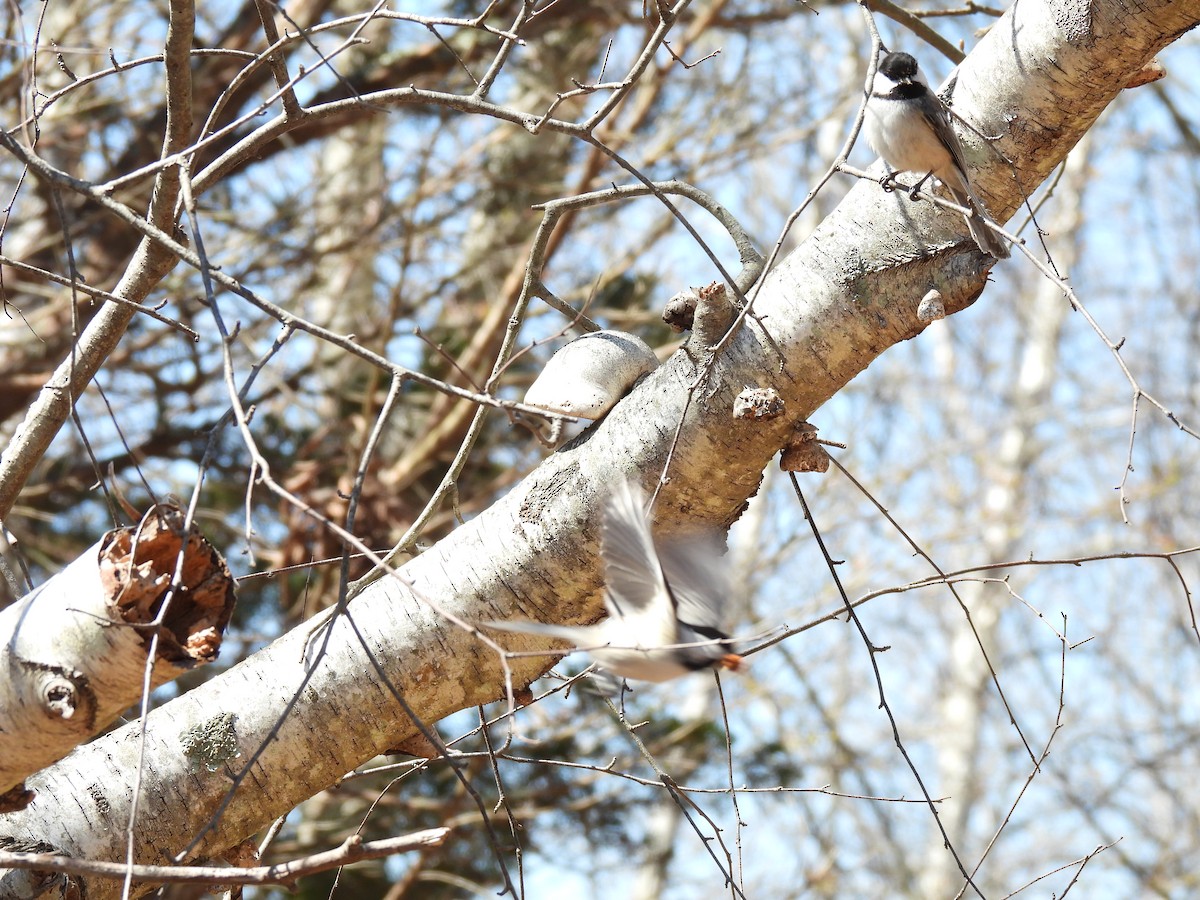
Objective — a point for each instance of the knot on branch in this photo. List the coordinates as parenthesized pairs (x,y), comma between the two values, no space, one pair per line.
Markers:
(803,451)
(758,403)
(707,311)
(589,375)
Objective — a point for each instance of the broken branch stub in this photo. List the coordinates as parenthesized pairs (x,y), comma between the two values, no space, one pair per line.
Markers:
(587,377)
(803,451)
(74,650)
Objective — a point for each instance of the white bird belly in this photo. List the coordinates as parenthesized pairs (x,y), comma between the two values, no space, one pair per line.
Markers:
(644,664)
(637,645)
(901,136)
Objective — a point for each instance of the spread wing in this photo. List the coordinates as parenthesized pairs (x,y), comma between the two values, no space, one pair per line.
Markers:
(632,573)
(698,581)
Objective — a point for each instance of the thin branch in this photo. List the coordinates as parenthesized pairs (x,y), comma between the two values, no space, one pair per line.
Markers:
(872,652)
(353,849)
(963,575)
(750,258)
(669,15)
(918,27)
(84,288)
(1113,347)
(508,42)
(291,106)
(684,803)
(1037,764)
(261,465)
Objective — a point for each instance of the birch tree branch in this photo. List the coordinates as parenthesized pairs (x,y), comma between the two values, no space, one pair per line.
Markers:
(1038,81)
(73,652)
(352,850)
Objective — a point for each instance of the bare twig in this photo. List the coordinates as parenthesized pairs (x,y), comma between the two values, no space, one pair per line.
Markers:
(685,804)
(352,850)
(872,651)
(84,288)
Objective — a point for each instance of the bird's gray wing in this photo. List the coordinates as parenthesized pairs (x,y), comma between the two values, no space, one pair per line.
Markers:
(698,579)
(958,182)
(632,573)
(935,113)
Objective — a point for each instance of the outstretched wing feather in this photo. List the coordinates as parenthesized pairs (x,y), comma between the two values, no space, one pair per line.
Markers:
(697,577)
(632,573)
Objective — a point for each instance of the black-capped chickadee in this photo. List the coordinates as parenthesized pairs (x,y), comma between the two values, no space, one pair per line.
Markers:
(909,126)
(664,601)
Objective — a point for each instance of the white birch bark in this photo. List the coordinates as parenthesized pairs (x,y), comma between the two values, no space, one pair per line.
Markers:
(1040,78)
(70,662)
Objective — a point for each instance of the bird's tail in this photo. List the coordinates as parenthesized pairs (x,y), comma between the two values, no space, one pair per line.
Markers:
(987,239)
(562,632)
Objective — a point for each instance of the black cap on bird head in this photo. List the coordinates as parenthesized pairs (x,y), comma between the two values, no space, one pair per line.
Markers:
(899,66)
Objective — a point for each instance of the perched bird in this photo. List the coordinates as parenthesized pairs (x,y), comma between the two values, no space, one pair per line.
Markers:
(664,601)
(909,126)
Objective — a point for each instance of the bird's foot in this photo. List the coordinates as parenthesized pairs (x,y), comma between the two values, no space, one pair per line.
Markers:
(916,188)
